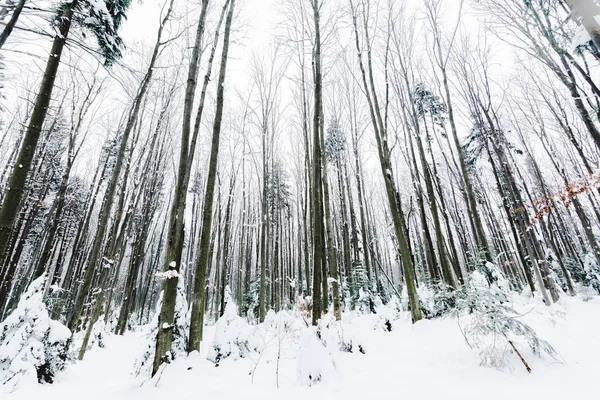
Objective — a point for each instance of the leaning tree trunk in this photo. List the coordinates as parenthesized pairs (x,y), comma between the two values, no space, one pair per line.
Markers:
(55,221)
(386,168)
(16,186)
(114,179)
(474,216)
(446,270)
(10,25)
(345,228)
(361,206)
(430,258)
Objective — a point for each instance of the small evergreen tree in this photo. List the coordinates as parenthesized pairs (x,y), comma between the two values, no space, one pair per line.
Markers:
(250,301)
(494,327)
(363,299)
(590,276)
(335,143)
(33,347)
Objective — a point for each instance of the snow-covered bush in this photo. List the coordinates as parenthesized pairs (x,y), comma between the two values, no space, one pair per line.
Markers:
(250,302)
(319,346)
(492,325)
(96,339)
(365,302)
(302,306)
(436,300)
(387,313)
(234,337)
(99,332)
(591,274)
(315,361)
(33,347)
(363,295)
(335,339)
(112,320)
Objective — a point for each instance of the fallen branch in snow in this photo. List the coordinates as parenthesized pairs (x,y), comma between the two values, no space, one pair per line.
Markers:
(520,356)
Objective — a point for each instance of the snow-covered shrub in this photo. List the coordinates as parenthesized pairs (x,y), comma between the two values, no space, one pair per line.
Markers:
(112,320)
(332,335)
(494,277)
(33,347)
(250,302)
(587,278)
(363,295)
(96,339)
(436,300)
(315,361)
(234,337)
(281,322)
(365,302)
(387,313)
(493,326)
(302,307)
(99,332)
(591,273)
(180,329)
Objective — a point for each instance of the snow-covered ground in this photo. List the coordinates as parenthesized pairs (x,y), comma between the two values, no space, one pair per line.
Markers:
(423,361)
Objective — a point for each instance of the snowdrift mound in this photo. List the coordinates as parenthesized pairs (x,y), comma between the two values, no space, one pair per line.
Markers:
(234,338)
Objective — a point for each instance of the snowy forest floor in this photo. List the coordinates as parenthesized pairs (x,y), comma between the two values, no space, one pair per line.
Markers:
(423,361)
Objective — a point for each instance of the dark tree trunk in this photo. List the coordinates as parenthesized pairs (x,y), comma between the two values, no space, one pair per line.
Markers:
(13,198)
(197,318)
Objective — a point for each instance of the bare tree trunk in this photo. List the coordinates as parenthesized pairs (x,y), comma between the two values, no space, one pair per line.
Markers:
(114,179)
(197,317)
(10,25)
(332,256)
(386,166)
(175,230)
(264,230)
(226,236)
(319,256)
(11,204)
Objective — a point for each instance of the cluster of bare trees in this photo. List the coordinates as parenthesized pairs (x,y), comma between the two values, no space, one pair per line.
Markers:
(375,150)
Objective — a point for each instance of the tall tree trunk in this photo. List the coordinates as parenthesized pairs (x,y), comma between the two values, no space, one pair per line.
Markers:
(114,179)
(345,229)
(226,238)
(430,258)
(332,249)
(10,25)
(386,167)
(264,230)
(319,256)
(11,204)
(197,318)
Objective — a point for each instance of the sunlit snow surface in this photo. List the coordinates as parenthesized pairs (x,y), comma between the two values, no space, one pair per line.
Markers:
(429,360)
